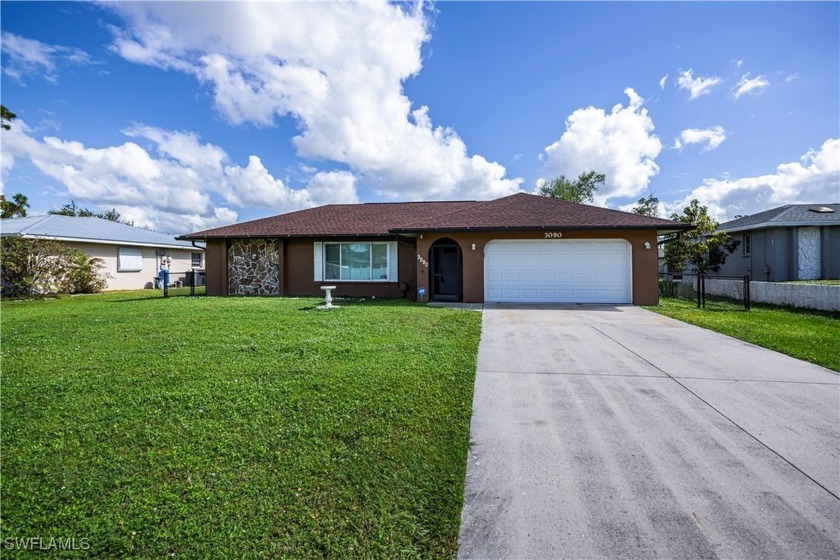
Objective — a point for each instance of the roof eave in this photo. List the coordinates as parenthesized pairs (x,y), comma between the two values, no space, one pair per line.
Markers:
(671,228)
(100,241)
(767,225)
(192,237)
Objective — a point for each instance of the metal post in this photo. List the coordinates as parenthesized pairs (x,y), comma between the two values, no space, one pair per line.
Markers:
(699,291)
(747,295)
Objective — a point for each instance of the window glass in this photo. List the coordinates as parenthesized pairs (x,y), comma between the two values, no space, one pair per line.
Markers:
(196,260)
(355,261)
(379,262)
(332,261)
(747,244)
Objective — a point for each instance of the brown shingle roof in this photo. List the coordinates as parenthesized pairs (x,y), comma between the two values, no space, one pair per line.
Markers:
(336,220)
(532,212)
(516,212)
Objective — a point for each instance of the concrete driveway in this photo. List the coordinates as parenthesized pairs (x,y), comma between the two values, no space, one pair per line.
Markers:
(602,431)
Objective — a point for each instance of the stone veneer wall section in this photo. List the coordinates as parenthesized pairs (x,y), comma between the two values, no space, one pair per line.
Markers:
(253,267)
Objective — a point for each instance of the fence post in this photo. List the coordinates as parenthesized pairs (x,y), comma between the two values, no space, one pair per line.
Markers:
(699,291)
(747,295)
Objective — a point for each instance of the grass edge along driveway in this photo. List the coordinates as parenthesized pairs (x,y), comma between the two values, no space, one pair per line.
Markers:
(801,333)
(206,427)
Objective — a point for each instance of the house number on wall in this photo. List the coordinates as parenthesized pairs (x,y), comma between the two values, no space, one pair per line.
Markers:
(422,261)
(553,235)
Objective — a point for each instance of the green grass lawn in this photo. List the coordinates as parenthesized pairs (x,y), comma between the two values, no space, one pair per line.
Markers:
(813,336)
(233,427)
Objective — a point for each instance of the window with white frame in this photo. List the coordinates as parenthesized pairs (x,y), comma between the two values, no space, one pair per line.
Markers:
(196,260)
(129,259)
(356,262)
(747,244)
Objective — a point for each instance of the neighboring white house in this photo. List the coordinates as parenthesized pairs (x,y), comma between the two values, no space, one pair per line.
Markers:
(132,256)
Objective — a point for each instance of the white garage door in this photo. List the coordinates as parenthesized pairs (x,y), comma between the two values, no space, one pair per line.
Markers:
(561,271)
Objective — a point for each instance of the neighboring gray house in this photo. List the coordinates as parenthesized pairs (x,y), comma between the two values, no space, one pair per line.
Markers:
(792,242)
(131,255)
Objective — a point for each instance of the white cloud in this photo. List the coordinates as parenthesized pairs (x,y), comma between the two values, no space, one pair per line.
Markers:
(28,57)
(662,81)
(815,178)
(336,68)
(696,86)
(620,144)
(792,77)
(333,187)
(712,137)
(749,85)
(174,183)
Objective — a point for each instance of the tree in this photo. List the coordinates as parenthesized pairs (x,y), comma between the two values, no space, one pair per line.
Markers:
(84,275)
(6,118)
(43,266)
(15,208)
(704,248)
(33,266)
(580,190)
(72,209)
(647,206)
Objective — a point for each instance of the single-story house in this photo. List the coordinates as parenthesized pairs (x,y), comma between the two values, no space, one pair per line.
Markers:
(520,248)
(791,242)
(132,256)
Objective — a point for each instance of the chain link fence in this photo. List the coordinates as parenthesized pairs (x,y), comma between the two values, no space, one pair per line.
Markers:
(709,291)
(194,280)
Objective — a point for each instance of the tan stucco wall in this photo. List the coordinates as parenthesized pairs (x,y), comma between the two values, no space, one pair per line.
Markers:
(181,263)
(644,261)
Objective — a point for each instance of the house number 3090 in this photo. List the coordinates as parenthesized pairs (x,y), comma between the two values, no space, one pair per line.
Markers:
(422,261)
(553,235)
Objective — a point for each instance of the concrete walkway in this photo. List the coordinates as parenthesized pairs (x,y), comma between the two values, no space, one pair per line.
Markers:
(613,432)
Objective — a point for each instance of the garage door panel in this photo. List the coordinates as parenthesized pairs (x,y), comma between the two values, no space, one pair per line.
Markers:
(563,271)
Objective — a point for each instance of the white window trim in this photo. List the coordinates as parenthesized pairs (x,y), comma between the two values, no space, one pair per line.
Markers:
(391,264)
(744,250)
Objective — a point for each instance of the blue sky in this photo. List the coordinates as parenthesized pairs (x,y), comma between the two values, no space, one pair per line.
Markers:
(190,115)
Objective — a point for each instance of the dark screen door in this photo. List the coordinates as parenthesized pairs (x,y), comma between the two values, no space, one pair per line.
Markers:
(446,273)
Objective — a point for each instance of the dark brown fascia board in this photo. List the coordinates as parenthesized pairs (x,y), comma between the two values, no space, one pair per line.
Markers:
(413,232)
(671,229)
(287,236)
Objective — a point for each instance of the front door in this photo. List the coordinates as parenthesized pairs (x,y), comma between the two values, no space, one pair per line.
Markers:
(446,272)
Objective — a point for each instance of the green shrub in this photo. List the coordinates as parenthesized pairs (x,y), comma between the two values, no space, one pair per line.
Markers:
(85,274)
(43,266)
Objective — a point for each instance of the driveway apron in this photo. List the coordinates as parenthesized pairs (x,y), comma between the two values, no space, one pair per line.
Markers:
(614,432)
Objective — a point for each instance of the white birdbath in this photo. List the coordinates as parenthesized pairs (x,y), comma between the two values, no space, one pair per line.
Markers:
(327,298)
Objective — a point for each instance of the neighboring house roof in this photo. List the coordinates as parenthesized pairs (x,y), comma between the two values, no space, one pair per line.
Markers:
(87,230)
(518,212)
(789,215)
